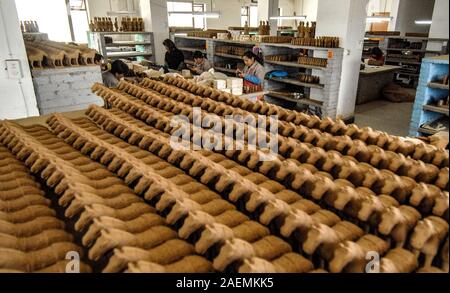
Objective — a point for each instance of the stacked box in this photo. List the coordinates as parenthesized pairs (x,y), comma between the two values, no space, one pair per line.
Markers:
(220,84)
(235,85)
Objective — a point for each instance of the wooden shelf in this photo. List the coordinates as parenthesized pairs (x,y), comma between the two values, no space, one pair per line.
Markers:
(408,73)
(427,131)
(403,61)
(253,95)
(436,109)
(243,43)
(127,54)
(228,56)
(296,82)
(303,101)
(191,38)
(295,64)
(125,44)
(282,97)
(395,37)
(291,46)
(192,49)
(436,85)
(412,50)
(223,69)
(121,33)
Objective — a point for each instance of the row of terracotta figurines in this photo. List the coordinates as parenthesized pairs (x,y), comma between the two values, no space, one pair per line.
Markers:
(305,29)
(29,26)
(127,24)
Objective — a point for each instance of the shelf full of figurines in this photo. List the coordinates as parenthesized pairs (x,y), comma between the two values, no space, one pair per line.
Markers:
(306,30)
(264,28)
(126,24)
(29,26)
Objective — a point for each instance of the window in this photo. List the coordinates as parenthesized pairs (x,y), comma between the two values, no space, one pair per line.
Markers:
(185,20)
(51,16)
(250,14)
(80,22)
(77,5)
(245,15)
(199,22)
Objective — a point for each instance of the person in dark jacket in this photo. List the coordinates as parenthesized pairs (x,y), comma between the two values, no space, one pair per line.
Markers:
(376,57)
(174,57)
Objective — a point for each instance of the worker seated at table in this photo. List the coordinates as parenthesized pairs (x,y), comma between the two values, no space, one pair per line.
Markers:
(376,57)
(174,58)
(253,72)
(117,72)
(201,64)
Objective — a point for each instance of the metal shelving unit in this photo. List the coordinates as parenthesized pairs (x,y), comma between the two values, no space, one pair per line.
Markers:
(326,93)
(139,45)
(400,45)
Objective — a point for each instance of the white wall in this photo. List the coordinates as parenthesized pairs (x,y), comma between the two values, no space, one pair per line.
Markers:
(411,10)
(263,10)
(17,98)
(439,26)
(288,8)
(230,13)
(345,19)
(99,8)
(154,13)
(308,8)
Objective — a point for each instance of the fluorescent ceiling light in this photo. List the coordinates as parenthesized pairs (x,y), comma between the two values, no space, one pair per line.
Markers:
(291,17)
(110,13)
(197,14)
(378,18)
(426,22)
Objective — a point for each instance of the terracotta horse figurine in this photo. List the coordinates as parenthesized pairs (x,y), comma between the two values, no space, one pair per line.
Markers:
(427,237)
(397,222)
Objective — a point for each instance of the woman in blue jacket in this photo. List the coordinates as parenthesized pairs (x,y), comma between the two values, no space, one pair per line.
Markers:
(253,72)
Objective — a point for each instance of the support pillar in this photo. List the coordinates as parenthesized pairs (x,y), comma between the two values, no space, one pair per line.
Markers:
(345,19)
(154,13)
(439,26)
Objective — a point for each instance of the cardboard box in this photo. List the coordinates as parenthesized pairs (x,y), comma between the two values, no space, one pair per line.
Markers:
(234,82)
(220,84)
(186,73)
(237,91)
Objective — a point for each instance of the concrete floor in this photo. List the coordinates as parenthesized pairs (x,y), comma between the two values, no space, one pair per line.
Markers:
(394,118)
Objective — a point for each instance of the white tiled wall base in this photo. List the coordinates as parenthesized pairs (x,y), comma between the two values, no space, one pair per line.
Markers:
(66,89)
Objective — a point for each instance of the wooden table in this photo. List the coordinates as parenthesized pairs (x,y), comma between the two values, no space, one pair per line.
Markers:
(372,80)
